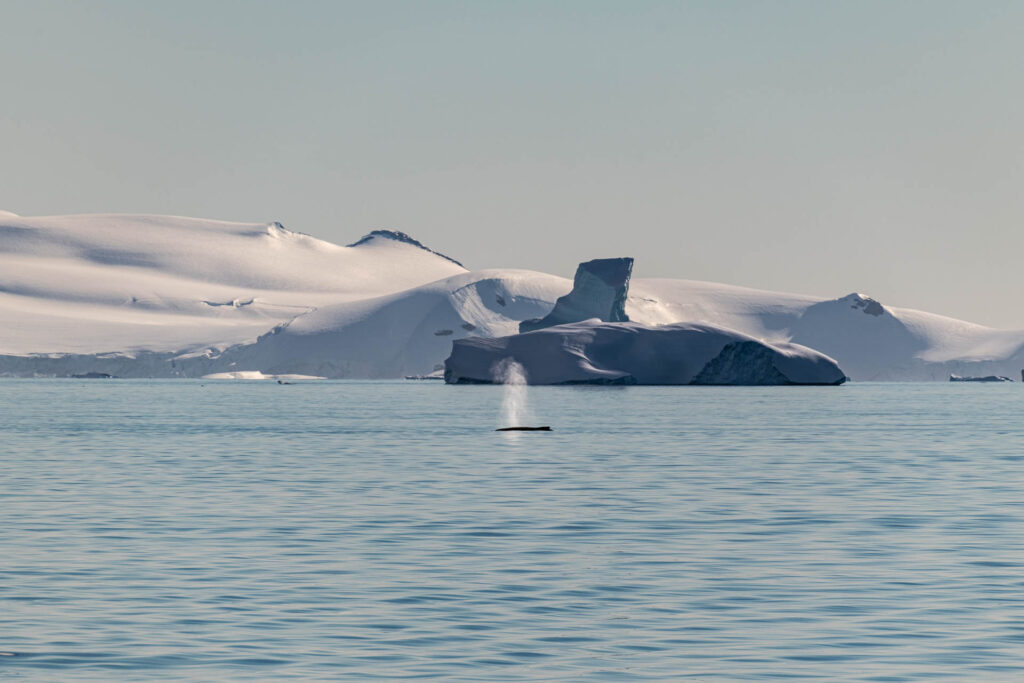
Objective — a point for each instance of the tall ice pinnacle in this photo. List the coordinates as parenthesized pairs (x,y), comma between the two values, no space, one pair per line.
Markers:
(598,291)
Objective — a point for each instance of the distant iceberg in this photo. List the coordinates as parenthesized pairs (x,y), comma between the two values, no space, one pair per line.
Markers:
(989,378)
(256,374)
(596,352)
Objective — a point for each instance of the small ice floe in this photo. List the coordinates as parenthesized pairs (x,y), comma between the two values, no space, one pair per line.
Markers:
(256,374)
(989,378)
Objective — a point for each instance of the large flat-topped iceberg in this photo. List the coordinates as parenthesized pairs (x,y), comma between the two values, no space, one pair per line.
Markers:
(599,290)
(595,352)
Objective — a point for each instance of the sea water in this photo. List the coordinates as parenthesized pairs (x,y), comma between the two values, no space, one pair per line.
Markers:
(188,530)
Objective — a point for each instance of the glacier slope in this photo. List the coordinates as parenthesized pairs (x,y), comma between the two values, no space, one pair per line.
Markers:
(409,333)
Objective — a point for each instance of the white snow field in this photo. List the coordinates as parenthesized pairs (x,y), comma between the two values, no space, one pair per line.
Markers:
(597,352)
(162,296)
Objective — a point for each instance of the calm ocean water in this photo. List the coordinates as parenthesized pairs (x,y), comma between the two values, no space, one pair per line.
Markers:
(180,530)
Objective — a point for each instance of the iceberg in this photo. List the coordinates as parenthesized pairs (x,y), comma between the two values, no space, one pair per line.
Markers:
(987,378)
(599,290)
(256,374)
(597,352)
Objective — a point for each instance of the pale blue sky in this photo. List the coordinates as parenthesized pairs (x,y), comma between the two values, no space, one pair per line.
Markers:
(818,147)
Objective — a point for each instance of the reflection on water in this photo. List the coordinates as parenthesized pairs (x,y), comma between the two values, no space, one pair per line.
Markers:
(357,530)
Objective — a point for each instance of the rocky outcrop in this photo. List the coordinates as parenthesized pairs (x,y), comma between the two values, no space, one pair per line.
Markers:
(397,236)
(599,290)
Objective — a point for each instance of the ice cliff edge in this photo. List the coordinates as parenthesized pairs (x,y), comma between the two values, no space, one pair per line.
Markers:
(599,290)
(596,352)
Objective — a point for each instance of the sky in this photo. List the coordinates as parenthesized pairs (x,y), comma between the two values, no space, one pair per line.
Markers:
(812,147)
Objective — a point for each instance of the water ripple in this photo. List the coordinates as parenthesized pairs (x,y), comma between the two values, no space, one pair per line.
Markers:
(381,531)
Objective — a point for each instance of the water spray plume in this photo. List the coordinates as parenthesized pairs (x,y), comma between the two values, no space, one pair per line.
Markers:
(514,409)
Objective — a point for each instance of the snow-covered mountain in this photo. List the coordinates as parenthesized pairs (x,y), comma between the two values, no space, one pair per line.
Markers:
(106,283)
(169,296)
